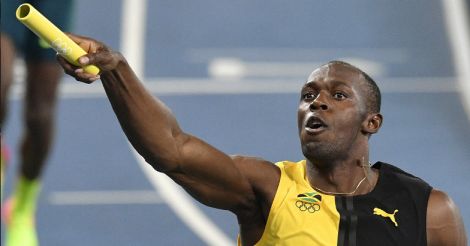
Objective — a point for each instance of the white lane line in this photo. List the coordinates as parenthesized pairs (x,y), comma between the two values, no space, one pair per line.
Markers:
(183,206)
(235,68)
(458,27)
(104,197)
(182,86)
(133,45)
(204,55)
(133,25)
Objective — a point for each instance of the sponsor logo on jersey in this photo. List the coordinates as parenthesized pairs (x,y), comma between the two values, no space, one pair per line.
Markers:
(380,212)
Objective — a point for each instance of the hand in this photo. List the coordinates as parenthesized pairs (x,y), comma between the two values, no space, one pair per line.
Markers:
(98,54)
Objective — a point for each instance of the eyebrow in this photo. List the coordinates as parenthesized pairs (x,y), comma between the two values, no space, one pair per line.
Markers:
(333,82)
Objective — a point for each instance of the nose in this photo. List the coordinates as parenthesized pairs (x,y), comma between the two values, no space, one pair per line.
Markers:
(320,103)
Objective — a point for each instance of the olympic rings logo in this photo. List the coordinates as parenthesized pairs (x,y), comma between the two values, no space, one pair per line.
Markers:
(61,47)
(306,206)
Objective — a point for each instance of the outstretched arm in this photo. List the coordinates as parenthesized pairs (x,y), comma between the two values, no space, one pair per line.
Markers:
(209,175)
(444,224)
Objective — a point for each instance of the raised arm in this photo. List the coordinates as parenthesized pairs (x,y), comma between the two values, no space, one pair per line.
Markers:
(209,175)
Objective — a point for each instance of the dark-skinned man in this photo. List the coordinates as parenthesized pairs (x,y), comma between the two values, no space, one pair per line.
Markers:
(334,197)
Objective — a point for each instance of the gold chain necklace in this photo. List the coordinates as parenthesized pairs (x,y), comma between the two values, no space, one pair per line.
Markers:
(341,193)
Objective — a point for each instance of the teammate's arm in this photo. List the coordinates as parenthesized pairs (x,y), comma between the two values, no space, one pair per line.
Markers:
(209,175)
(444,224)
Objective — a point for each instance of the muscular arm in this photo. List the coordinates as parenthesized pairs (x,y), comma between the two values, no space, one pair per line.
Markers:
(209,175)
(444,224)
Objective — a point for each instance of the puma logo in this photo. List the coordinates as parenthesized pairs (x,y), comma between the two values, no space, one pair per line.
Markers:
(378,211)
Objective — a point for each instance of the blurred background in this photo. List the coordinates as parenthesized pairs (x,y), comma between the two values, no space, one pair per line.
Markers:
(231,71)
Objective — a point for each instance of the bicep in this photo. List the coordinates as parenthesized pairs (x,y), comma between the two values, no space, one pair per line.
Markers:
(444,224)
(212,177)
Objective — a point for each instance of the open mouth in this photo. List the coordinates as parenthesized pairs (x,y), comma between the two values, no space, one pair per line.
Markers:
(315,125)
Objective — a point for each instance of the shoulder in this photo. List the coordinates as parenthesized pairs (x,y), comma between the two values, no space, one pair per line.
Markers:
(444,224)
(252,162)
(396,177)
(398,172)
(260,173)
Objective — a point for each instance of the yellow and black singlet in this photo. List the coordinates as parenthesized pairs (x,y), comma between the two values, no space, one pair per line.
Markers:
(394,213)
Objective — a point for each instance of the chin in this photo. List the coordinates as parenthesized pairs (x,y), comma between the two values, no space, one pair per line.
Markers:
(321,151)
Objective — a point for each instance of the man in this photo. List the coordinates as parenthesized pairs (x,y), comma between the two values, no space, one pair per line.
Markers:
(42,79)
(334,197)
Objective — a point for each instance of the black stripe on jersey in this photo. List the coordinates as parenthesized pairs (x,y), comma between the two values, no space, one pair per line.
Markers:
(348,221)
(353,220)
(343,223)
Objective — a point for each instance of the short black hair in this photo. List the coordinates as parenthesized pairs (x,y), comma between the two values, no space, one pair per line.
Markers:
(374,98)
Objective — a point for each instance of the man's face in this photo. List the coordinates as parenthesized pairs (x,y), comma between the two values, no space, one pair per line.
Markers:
(331,111)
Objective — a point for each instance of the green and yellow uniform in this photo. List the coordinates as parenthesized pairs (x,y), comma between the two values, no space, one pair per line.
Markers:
(31,47)
(394,213)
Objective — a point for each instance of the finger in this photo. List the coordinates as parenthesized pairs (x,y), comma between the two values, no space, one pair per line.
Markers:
(76,72)
(88,60)
(88,44)
(82,76)
(67,66)
(84,60)
(94,47)
(77,38)
(85,77)
(105,60)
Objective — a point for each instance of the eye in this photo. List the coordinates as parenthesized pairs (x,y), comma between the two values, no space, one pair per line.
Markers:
(340,95)
(308,95)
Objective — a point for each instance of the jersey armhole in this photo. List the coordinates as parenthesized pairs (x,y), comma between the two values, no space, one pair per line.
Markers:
(281,192)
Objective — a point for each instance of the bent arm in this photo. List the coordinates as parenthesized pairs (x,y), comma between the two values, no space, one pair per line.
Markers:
(209,175)
(444,224)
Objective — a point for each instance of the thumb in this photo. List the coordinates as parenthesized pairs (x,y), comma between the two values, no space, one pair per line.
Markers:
(88,65)
(84,60)
(97,59)
(105,60)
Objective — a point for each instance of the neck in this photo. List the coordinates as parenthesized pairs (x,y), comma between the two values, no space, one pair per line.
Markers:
(342,177)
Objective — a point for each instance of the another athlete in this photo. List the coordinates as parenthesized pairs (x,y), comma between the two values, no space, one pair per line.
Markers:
(42,80)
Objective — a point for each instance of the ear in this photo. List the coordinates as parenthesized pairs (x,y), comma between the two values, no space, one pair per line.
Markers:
(372,123)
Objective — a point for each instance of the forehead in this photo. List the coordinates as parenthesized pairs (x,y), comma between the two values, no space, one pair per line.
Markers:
(336,73)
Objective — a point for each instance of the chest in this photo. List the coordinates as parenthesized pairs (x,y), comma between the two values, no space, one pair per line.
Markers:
(309,218)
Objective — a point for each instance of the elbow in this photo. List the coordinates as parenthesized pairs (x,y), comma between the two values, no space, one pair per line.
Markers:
(162,164)
(164,157)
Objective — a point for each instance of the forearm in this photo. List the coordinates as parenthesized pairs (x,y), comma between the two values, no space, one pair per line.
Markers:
(207,173)
(147,122)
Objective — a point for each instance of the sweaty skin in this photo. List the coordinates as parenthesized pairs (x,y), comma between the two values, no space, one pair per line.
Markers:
(246,185)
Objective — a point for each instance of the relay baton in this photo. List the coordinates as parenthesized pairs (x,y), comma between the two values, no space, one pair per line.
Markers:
(48,32)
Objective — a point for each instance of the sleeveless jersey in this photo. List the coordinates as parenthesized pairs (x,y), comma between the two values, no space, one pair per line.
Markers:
(393,213)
